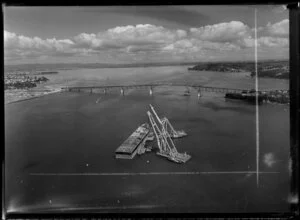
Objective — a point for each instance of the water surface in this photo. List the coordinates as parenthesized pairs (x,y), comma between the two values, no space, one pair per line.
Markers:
(75,133)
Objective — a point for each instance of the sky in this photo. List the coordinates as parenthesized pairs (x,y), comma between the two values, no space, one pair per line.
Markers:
(144,34)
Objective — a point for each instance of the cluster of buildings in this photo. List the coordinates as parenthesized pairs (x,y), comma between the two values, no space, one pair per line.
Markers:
(278,67)
(275,96)
(279,96)
(22,81)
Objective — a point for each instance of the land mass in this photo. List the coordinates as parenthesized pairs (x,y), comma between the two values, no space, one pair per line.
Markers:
(271,69)
(24,81)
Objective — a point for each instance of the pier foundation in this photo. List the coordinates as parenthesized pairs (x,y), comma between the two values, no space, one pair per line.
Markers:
(199,93)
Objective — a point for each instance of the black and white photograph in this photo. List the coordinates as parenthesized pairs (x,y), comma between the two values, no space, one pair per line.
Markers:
(147,109)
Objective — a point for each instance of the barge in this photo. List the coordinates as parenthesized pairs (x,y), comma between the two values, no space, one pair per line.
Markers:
(48,72)
(251,98)
(129,147)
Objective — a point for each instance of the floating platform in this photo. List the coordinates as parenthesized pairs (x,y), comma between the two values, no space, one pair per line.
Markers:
(177,157)
(129,147)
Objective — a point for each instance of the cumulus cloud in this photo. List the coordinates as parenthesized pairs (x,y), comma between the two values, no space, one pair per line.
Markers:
(273,42)
(130,37)
(195,45)
(23,46)
(222,32)
(280,29)
(151,40)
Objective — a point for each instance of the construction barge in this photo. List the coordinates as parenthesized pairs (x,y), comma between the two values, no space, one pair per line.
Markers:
(163,131)
(130,146)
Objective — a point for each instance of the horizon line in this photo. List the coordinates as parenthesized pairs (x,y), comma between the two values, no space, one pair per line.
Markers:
(145,63)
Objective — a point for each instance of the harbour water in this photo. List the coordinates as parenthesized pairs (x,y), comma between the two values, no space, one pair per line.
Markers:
(73,136)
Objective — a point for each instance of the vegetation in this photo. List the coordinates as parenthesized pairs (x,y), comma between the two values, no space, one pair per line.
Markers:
(275,96)
(272,69)
(17,81)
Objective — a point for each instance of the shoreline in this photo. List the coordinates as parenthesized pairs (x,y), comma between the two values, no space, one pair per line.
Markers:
(241,72)
(34,96)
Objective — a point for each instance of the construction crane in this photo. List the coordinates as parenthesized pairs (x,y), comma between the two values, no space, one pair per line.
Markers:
(165,123)
(164,141)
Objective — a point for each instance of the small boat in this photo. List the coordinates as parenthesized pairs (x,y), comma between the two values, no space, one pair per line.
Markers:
(150,137)
(187,92)
(179,134)
(98,100)
(141,150)
(148,148)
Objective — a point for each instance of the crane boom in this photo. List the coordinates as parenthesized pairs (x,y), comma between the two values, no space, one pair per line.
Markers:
(165,123)
(154,112)
(165,144)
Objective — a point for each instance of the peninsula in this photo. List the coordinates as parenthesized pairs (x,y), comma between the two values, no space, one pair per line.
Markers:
(271,69)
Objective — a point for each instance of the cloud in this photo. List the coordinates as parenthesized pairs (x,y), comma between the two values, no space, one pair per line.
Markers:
(222,32)
(273,42)
(157,42)
(280,29)
(124,36)
(196,46)
(22,46)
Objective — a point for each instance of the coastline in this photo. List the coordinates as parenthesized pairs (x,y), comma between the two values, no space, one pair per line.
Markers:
(29,95)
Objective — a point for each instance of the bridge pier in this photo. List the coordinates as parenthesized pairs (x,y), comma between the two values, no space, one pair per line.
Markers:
(91,91)
(151,91)
(199,93)
(104,91)
(122,91)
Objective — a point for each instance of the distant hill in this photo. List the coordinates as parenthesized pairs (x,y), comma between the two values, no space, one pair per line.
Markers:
(271,68)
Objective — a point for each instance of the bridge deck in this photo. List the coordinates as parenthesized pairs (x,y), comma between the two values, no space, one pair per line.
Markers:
(195,86)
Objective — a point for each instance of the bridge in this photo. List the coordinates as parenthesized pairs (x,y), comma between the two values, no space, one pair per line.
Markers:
(199,88)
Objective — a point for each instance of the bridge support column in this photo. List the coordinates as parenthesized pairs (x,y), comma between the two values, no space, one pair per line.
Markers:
(199,93)
(151,91)
(91,91)
(104,91)
(122,91)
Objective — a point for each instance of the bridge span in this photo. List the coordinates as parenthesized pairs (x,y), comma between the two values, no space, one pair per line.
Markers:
(199,88)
